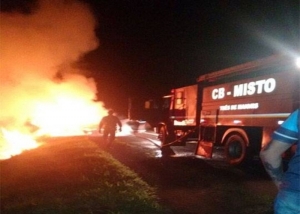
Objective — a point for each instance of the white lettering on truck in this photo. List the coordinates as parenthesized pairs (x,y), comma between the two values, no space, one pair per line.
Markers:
(246,89)
(241,106)
(218,93)
(252,88)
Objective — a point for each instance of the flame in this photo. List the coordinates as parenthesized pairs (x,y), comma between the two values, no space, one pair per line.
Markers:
(67,116)
(69,111)
(65,110)
(42,91)
(16,143)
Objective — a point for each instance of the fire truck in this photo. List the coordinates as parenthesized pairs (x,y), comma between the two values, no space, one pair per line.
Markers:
(231,114)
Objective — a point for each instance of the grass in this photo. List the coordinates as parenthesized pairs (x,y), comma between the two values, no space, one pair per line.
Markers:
(72,176)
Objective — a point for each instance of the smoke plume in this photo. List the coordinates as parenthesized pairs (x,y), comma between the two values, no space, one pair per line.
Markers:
(37,74)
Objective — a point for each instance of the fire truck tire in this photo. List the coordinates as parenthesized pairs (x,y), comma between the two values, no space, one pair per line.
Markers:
(235,149)
(162,135)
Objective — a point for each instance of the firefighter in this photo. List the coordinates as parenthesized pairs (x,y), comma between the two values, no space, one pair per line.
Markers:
(109,123)
(288,182)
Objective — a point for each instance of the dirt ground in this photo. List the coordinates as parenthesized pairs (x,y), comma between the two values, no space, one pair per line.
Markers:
(194,186)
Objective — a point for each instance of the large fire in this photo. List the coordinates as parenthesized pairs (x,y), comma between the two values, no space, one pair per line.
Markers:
(42,93)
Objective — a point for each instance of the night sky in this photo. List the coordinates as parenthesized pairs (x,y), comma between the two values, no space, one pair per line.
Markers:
(148,47)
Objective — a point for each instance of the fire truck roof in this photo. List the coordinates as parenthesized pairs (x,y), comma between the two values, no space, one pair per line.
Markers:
(270,61)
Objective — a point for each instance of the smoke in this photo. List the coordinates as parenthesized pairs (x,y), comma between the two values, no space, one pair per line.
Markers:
(37,57)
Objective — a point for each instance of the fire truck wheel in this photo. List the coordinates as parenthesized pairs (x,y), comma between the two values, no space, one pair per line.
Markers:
(162,135)
(235,149)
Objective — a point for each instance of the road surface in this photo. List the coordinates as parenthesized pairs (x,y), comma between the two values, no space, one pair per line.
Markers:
(190,186)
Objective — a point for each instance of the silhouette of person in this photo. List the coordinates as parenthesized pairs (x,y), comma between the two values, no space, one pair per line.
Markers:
(109,124)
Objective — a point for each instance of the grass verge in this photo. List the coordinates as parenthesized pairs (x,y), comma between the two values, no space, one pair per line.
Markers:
(72,176)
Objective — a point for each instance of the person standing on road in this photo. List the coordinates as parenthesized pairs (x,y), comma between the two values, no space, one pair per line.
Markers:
(288,182)
(109,123)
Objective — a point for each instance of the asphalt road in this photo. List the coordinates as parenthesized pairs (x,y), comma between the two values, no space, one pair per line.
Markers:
(189,185)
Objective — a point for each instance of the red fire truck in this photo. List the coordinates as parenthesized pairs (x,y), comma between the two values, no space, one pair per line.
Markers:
(230,114)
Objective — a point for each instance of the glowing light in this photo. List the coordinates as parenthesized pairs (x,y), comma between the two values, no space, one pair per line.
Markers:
(158,154)
(66,114)
(126,129)
(280,122)
(237,122)
(298,62)
(16,143)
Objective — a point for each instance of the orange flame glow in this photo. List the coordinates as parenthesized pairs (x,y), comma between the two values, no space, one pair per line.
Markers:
(14,143)
(67,109)
(42,92)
